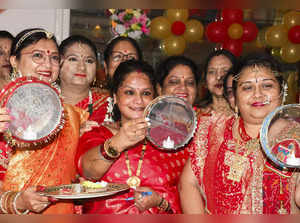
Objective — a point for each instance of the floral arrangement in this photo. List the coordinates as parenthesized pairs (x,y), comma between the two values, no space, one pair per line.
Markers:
(130,22)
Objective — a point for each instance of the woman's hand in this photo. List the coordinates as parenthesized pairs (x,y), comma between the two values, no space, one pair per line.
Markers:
(4,119)
(87,126)
(130,133)
(31,200)
(143,203)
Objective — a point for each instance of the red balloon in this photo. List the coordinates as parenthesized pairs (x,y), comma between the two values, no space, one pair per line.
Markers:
(178,28)
(232,16)
(234,46)
(250,31)
(216,32)
(294,34)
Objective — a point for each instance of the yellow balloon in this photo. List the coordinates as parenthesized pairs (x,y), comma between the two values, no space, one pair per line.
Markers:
(174,45)
(291,18)
(194,30)
(277,36)
(290,53)
(160,27)
(235,31)
(177,15)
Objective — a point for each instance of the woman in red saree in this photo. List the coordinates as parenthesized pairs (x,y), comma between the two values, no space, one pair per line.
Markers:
(77,74)
(117,152)
(25,172)
(227,172)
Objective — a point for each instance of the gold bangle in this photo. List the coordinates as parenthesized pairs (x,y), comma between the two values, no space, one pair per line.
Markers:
(9,203)
(164,204)
(111,152)
(3,210)
(5,202)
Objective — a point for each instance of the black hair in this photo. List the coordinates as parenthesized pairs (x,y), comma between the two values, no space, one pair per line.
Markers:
(221,52)
(110,46)
(66,43)
(122,71)
(165,67)
(260,59)
(21,41)
(6,35)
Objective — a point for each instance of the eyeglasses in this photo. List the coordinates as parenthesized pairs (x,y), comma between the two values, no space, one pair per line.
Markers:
(119,56)
(39,57)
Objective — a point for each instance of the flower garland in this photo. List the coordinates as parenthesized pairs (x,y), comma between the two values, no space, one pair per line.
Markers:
(130,22)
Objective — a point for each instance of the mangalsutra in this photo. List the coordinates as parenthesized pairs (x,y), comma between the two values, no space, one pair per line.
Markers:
(134,181)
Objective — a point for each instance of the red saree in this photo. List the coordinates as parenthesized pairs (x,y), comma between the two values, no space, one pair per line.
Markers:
(261,187)
(50,166)
(99,102)
(160,171)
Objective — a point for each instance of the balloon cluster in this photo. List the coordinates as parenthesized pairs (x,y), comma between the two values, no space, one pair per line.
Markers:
(285,38)
(231,31)
(174,30)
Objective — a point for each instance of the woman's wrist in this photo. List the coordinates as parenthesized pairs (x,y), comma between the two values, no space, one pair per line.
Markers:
(18,209)
(8,203)
(108,152)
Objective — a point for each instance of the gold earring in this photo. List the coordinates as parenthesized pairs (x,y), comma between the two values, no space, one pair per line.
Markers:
(236,112)
(14,75)
(94,83)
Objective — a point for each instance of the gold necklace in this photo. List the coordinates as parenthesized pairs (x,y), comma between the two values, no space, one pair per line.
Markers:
(134,181)
(238,163)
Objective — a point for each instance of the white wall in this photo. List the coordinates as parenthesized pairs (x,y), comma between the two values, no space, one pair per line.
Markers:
(54,20)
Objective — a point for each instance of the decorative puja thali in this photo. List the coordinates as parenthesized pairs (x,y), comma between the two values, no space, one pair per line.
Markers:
(173,122)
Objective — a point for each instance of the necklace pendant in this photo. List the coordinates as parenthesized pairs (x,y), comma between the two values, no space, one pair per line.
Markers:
(133,181)
(237,165)
(282,210)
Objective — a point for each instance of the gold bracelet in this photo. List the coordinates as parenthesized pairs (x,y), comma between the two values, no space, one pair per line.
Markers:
(15,209)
